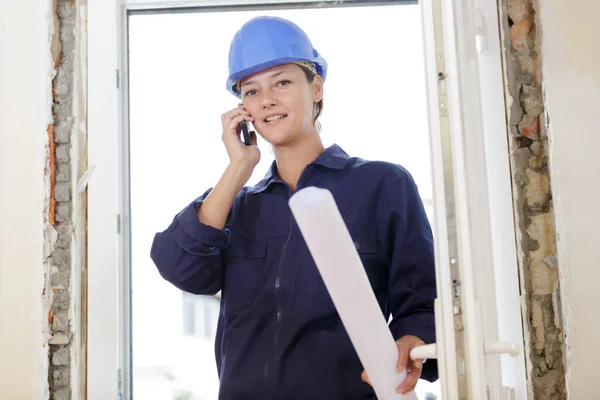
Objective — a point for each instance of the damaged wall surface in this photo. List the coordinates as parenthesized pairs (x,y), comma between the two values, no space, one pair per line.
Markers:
(571,66)
(66,212)
(552,64)
(533,206)
(42,229)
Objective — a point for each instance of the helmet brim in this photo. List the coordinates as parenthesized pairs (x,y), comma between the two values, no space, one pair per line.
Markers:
(232,81)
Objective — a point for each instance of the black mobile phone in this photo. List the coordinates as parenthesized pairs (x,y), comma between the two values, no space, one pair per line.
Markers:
(245,133)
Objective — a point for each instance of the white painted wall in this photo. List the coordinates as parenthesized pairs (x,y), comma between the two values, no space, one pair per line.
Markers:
(24,114)
(571,64)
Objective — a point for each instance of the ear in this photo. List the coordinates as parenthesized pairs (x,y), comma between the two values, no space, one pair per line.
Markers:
(317,89)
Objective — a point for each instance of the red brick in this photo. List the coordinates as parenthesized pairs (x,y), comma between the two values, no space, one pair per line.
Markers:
(531,129)
(52,169)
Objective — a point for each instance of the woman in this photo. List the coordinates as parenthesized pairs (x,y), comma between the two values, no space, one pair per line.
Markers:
(279,335)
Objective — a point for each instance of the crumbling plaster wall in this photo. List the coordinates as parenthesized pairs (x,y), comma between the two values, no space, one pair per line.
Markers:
(533,201)
(42,214)
(552,64)
(66,214)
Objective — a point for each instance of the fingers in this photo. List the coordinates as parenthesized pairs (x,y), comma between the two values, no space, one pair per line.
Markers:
(229,115)
(365,378)
(408,385)
(403,352)
(232,127)
(231,121)
(404,363)
(235,121)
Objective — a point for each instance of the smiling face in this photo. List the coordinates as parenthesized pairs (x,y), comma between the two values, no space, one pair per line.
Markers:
(282,102)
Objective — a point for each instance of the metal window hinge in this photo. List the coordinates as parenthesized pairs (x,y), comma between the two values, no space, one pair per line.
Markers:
(118,224)
(118,78)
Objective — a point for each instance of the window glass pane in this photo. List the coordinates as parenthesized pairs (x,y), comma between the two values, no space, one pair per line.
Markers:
(375,108)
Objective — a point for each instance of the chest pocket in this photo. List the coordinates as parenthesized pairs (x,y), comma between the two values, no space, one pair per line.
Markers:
(243,274)
(366,246)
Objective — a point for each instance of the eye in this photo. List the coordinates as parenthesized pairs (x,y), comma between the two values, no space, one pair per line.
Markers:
(283,82)
(250,92)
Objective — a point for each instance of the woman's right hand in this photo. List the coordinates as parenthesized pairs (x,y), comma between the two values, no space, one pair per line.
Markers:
(242,161)
(237,151)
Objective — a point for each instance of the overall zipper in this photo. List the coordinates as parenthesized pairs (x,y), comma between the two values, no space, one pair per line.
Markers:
(278,299)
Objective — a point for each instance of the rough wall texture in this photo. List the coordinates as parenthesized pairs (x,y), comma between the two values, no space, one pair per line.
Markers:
(60,215)
(533,200)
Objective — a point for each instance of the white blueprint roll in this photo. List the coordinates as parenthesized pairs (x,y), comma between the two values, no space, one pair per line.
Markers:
(339,264)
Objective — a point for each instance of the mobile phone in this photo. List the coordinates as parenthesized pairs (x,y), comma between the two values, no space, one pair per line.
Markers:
(245,133)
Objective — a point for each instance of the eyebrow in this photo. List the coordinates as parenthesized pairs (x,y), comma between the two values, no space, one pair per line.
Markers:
(274,75)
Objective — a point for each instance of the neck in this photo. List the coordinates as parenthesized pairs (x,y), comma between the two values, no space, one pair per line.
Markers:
(292,159)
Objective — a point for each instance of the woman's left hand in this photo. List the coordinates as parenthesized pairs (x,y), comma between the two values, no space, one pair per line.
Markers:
(405,344)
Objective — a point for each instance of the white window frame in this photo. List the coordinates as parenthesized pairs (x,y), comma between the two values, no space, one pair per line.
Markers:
(108,374)
(485,241)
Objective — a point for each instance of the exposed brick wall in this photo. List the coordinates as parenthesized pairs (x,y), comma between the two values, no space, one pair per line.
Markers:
(533,200)
(60,209)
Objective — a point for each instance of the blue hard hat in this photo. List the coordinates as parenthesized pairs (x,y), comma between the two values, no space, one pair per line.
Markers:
(265,42)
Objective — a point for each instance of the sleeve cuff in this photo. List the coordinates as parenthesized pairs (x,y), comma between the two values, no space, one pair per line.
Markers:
(420,325)
(196,237)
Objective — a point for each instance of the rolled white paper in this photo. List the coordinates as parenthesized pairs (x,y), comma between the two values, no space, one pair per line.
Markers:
(339,264)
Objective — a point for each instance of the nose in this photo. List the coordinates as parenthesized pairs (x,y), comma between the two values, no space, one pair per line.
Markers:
(268,99)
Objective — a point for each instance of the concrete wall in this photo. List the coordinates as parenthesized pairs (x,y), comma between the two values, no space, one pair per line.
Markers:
(571,68)
(25,112)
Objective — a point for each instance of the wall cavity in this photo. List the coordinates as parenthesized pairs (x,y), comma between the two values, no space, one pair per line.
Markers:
(533,205)
(65,230)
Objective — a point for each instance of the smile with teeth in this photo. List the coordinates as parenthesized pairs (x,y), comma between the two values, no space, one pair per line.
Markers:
(275,117)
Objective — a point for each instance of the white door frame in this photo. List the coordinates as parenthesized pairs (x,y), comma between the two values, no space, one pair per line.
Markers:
(479,162)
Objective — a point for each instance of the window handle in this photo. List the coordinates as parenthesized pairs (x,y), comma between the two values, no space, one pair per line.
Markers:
(430,350)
